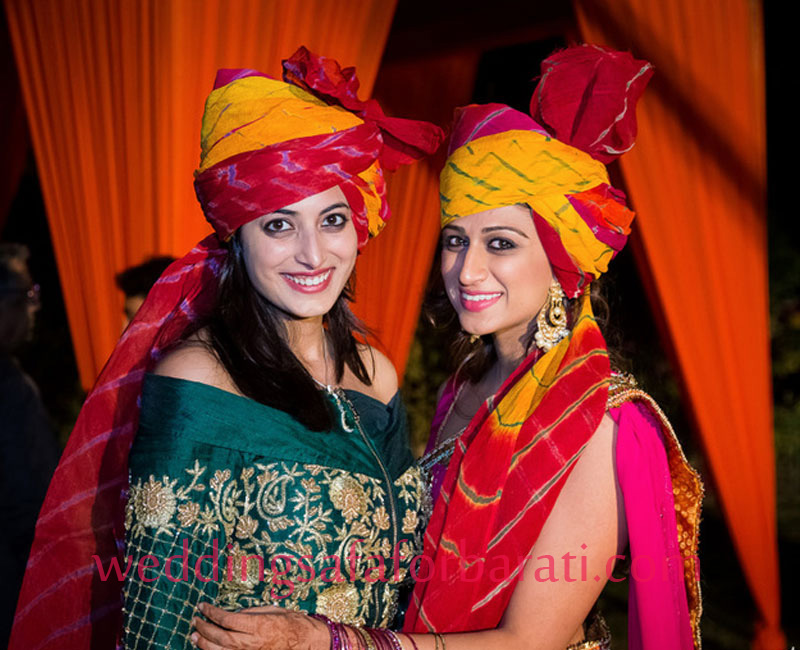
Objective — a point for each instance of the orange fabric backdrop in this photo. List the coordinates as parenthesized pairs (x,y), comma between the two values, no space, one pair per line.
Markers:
(114,92)
(393,270)
(697,178)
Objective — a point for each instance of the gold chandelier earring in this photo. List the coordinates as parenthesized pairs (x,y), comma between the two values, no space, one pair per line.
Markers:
(551,323)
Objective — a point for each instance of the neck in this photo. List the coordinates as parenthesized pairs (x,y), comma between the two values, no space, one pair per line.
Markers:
(306,339)
(510,348)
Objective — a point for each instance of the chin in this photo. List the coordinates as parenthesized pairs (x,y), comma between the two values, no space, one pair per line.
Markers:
(476,325)
(309,307)
(306,311)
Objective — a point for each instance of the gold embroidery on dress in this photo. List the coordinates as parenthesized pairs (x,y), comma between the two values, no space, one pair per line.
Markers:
(348,496)
(266,499)
(339,602)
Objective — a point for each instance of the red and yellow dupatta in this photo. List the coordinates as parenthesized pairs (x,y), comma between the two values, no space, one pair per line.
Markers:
(485,523)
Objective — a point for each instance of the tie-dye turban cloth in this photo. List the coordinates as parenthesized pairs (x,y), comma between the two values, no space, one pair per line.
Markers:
(513,459)
(265,144)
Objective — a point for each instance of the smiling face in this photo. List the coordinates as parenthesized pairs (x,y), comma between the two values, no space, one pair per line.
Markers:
(495,270)
(301,256)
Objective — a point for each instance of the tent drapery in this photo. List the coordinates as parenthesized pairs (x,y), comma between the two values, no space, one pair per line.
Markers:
(393,270)
(114,92)
(697,178)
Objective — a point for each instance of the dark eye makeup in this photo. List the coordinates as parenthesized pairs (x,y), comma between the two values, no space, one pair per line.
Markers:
(276,225)
(501,244)
(453,242)
(496,244)
(334,220)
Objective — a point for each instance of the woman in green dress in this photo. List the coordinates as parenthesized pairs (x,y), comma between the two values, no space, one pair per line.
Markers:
(270,462)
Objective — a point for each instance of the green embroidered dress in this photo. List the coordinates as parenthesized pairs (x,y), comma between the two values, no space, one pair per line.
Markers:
(311,516)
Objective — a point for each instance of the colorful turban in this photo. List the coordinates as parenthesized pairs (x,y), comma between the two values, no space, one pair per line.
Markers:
(265,144)
(585,103)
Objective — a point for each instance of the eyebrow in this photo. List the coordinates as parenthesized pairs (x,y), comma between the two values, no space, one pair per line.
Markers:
(461,231)
(511,228)
(291,213)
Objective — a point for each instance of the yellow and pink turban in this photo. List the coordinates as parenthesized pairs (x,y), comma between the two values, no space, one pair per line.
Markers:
(584,110)
(267,143)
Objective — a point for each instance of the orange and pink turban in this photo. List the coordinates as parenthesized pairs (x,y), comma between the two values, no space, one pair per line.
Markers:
(265,144)
(583,117)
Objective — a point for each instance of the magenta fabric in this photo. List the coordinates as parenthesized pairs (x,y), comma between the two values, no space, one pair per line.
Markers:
(658,611)
(587,98)
(438,471)
(481,120)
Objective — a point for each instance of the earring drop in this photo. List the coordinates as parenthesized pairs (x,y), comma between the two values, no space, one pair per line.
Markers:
(551,323)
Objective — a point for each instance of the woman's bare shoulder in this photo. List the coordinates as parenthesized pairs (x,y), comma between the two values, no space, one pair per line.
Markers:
(194,360)
(381,371)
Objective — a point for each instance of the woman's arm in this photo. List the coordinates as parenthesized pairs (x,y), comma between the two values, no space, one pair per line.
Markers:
(550,602)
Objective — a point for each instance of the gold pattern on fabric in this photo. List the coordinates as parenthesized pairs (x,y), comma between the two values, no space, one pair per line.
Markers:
(258,514)
(687,489)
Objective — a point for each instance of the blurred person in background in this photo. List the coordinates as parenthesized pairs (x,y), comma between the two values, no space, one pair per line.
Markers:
(135,282)
(28,448)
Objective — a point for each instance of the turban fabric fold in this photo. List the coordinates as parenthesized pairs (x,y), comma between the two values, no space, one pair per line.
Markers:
(265,144)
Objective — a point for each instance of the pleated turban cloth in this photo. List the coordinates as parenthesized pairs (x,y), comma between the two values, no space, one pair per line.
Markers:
(584,107)
(266,144)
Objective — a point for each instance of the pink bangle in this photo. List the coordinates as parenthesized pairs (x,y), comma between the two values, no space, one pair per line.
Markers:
(333,630)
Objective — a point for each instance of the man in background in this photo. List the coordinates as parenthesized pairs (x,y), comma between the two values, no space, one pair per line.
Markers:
(137,281)
(28,448)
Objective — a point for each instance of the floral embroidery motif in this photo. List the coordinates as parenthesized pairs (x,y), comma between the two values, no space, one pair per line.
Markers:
(154,502)
(410,521)
(348,496)
(305,535)
(340,603)
(381,518)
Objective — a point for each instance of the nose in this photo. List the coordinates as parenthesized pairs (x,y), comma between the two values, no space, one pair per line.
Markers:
(310,248)
(473,266)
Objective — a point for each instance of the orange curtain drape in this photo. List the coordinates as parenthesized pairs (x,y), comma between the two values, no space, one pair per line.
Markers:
(697,179)
(114,92)
(393,270)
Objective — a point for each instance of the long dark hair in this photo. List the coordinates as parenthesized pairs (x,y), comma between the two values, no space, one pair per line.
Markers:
(471,358)
(248,335)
